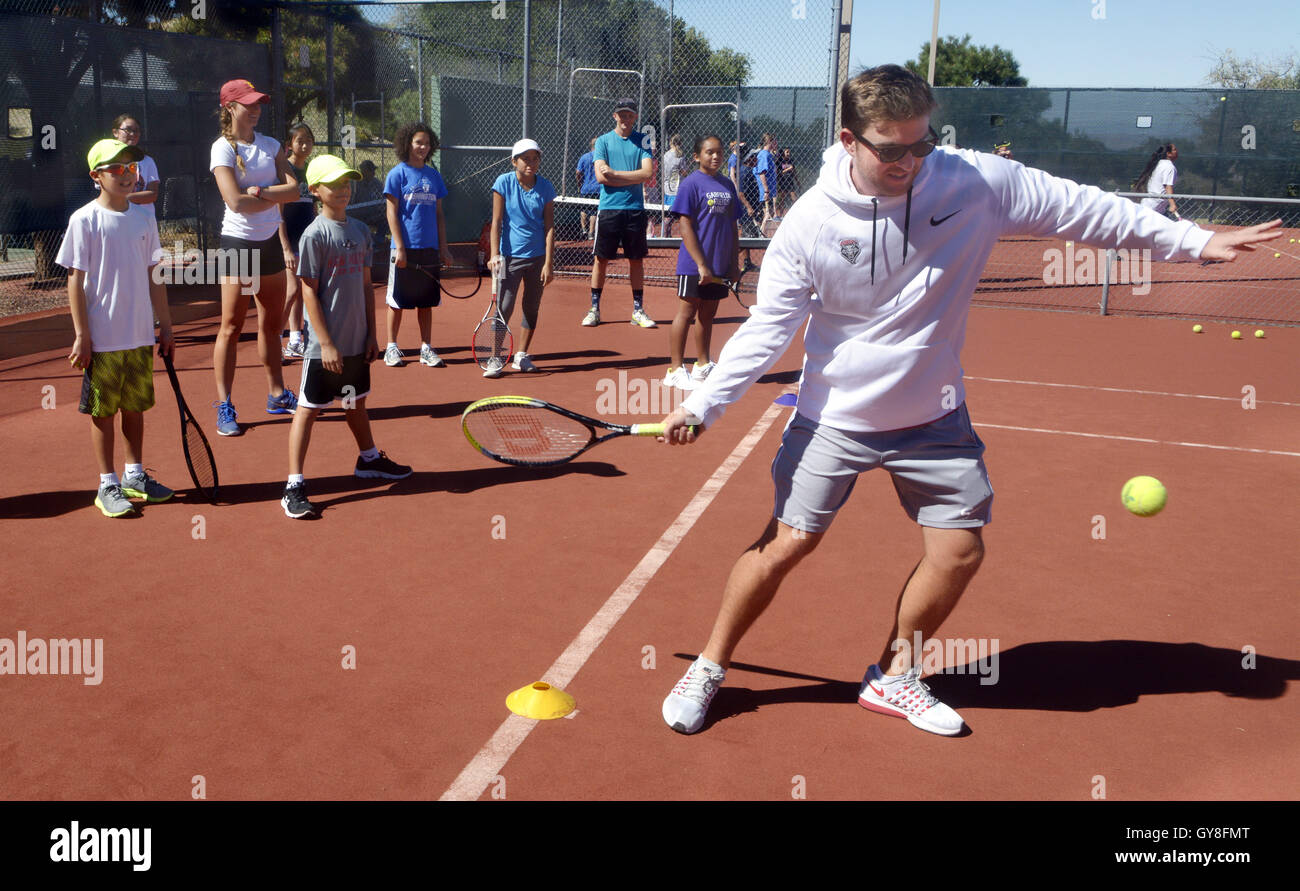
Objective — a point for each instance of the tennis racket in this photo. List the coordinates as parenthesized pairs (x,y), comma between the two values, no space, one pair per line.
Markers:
(466,280)
(198,454)
(744,298)
(492,342)
(531,433)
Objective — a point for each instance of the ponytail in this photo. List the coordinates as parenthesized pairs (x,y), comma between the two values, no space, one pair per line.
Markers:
(1140,184)
(228,133)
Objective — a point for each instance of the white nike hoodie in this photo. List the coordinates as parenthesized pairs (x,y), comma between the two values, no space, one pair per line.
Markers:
(885,283)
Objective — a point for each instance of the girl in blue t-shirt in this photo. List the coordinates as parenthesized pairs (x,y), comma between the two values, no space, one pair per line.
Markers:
(707,205)
(414,191)
(522,242)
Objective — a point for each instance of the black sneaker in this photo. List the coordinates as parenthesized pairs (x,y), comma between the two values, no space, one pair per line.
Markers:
(381,468)
(295,503)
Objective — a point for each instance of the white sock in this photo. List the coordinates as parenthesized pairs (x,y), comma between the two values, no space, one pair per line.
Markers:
(295,337)
(370,454)
(134,470)
(296,479)
(109,479)
(424,346)
(392,345)
(711,666)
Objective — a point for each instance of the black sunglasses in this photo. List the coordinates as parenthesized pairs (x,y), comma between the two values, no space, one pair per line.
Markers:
(888,154)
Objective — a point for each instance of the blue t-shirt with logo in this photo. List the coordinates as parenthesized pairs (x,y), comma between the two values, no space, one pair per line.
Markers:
(418,191)
(523,225)
(622,154)
(712,206)
(587,167)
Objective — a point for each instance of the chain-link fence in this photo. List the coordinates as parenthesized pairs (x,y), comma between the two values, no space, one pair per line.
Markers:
(1262,286)
(737,68)
(354,73)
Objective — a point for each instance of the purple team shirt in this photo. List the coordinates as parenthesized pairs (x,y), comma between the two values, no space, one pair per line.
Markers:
(711,204)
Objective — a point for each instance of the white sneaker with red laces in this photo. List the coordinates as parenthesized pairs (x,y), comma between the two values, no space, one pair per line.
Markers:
(685,707)
(906,696)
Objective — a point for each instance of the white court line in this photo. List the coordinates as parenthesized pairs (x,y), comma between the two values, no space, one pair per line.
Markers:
(1194,445)
(487,764)
(999,380)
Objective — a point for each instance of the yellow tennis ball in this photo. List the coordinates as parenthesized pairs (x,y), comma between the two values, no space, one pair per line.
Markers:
(1197,329)
(1236,335)
(1144,496)
(1275,256)
(1259,332)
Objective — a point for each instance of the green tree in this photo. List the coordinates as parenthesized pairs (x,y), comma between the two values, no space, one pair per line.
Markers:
(1234,73)
(958,64)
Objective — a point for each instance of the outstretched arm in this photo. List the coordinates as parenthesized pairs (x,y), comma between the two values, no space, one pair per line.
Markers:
(1225,245)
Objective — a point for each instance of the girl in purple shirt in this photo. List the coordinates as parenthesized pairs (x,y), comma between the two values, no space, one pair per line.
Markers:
(707,206)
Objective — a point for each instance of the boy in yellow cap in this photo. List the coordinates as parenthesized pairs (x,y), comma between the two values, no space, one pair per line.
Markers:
(334,266)
(110,249)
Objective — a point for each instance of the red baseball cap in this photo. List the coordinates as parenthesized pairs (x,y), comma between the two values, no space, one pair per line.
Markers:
(241,91)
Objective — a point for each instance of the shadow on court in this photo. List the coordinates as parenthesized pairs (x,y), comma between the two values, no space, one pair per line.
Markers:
(1047,676)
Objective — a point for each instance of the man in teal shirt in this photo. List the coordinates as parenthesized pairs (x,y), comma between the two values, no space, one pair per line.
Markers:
(623,164)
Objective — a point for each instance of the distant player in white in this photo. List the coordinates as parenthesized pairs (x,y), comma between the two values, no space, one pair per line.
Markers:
(1158,179)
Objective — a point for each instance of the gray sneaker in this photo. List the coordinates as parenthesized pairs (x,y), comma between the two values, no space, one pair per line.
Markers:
(112,502)
(429,356)
(146,487)
(393,357)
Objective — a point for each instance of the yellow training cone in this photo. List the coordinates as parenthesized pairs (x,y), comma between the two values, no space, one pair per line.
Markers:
(540,701)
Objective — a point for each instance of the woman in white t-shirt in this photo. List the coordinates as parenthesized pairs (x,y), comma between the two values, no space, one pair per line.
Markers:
(1157,180)
(127,128)
(254,178)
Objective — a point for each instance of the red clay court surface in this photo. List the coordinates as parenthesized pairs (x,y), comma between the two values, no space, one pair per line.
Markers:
(1119,658)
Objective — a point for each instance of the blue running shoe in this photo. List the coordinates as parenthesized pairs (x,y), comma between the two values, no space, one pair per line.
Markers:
(284,404)
(226,423)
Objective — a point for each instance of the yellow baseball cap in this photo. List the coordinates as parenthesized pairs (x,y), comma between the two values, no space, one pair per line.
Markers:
(107,150)
(329,169)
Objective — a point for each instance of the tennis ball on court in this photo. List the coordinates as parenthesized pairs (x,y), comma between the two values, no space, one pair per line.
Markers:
(1275,256)
(1197,329)
(1259,332)
(1236,335)
(1144,496)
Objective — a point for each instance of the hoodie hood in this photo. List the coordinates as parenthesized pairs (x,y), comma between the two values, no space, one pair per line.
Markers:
(836,182)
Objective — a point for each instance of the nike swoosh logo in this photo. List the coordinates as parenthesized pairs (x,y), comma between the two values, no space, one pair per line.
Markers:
(934,222)
(874,689)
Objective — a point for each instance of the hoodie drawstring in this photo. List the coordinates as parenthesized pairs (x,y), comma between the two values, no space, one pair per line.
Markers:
(873,241)
(907,226)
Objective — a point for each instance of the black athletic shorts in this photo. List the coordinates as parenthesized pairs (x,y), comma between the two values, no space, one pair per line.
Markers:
(320,387)
(626,228)
(689,286)
(416,286)
(270,259)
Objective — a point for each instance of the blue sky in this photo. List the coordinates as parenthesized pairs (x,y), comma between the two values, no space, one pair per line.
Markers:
(1058,43)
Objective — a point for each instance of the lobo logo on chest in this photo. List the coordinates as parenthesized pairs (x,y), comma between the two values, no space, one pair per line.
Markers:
(850,249)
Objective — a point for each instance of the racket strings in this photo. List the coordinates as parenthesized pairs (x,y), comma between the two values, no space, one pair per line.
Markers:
(531,434)
(205,472)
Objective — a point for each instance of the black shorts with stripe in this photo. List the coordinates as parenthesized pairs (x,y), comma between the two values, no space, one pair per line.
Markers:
(621,228)
(321,387)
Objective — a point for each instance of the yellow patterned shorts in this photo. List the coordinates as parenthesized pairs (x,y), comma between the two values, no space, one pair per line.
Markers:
(118,381)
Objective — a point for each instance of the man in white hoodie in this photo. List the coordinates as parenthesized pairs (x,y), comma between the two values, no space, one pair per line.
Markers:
(880,259)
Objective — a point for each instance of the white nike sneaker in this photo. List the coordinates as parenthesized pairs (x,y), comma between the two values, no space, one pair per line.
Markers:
(906,696)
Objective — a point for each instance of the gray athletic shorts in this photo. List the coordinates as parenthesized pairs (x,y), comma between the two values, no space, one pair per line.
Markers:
(937,469)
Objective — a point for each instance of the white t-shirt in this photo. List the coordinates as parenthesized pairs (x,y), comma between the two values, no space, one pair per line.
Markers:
(259,170)
(115,251)
(1164,175)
